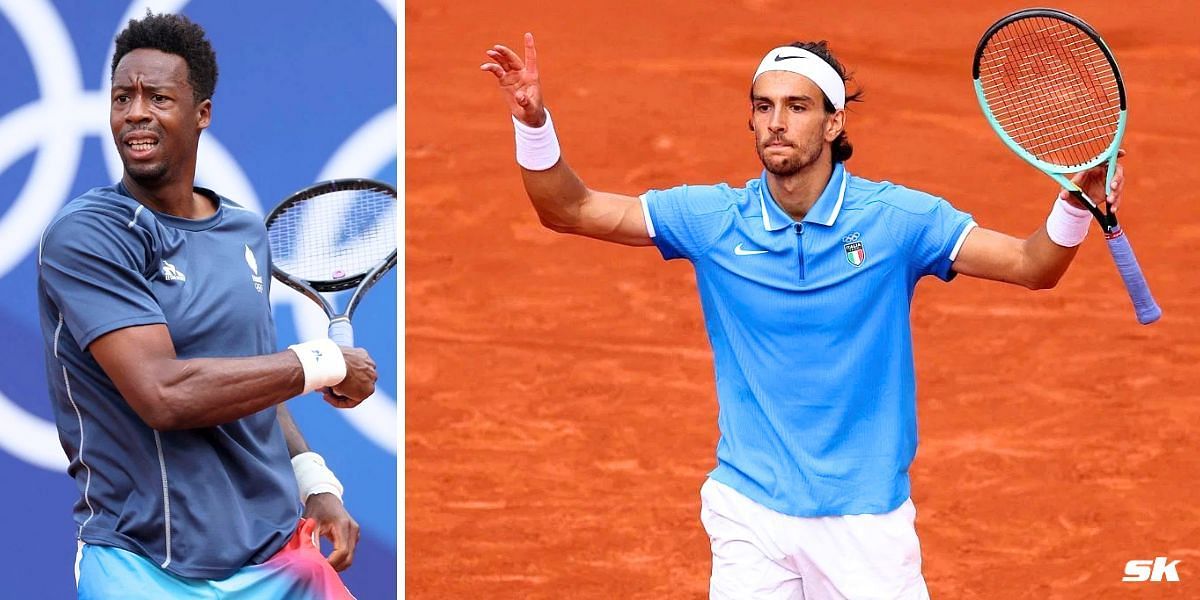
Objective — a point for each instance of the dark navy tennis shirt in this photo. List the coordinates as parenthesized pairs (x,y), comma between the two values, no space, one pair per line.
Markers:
(203,502)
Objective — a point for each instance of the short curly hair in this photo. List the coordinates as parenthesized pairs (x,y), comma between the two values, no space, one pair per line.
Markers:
(173,34)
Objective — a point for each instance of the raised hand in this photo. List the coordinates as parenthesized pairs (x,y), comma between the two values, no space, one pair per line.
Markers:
(1091,182)
(519,82)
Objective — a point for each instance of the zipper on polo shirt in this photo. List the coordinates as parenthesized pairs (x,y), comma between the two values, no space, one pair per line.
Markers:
(799,228)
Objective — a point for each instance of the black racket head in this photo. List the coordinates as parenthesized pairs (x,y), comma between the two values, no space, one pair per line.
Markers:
(1052,85)
(333,234)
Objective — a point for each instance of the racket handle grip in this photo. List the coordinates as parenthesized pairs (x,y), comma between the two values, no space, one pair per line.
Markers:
(341,332)
(1135,282)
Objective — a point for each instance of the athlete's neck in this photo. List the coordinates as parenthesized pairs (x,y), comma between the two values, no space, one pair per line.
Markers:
(177,198)
(797,193)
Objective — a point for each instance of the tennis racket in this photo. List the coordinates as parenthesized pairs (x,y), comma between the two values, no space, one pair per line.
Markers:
(334,236)
(1051,90)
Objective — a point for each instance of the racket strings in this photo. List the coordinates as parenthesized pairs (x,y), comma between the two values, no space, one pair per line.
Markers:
(333,235)
(1038,71)
(1052,89)
(1045,95)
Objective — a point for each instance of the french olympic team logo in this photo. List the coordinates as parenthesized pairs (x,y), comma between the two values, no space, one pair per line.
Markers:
(252,262)
(53,128)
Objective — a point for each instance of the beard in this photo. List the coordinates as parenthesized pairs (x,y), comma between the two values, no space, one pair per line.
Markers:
(146,174)
(804,157)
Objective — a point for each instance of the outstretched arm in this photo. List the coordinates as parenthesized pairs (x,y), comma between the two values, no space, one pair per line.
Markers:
(562,201)
(1037,262)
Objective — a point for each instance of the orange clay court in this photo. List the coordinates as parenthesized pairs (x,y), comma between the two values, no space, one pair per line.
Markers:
(561,413)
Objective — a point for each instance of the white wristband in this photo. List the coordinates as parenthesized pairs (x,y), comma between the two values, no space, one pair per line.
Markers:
(313,477)
(324,365)
(537,147)
(1067,225)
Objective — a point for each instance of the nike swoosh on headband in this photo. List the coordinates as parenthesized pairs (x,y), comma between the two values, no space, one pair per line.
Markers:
(816,69)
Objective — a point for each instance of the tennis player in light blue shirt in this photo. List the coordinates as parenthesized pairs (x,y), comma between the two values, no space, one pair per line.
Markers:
(806,276)
(808,321)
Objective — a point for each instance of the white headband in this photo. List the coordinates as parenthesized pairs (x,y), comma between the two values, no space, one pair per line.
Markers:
(805,63)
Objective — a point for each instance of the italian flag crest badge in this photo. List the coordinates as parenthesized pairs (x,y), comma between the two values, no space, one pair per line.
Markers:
(855,254)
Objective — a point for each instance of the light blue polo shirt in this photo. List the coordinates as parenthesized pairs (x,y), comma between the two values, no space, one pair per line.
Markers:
(809,326)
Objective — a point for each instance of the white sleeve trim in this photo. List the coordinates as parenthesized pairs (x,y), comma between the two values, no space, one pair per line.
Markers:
(646,213)
(961,238)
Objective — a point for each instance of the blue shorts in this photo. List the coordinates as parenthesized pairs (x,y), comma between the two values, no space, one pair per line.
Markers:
(297,572)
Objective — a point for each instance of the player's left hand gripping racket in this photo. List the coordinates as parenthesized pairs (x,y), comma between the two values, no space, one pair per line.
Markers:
(1051,89)
(333,236)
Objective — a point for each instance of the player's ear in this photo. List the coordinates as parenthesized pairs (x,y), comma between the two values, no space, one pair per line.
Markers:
(835,125)
(204,114)
(750,124)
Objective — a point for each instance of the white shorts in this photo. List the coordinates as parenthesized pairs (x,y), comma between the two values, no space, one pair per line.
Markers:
(761,554)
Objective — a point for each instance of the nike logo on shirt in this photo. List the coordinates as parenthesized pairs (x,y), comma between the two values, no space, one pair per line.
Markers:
(740,251)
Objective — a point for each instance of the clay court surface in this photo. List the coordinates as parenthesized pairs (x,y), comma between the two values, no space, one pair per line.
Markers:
(561,414)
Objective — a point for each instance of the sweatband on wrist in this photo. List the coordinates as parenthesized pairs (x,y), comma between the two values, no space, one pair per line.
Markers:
(313,477)
(537,147)
(1067,225)
(324,365)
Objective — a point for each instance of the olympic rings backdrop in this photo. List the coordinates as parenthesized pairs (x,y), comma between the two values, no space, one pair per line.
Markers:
(307,91)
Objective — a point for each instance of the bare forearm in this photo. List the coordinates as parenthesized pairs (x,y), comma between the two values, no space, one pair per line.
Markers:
(1035,262)
(1045,261)
(291,433)
(204,392)
(557,195)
